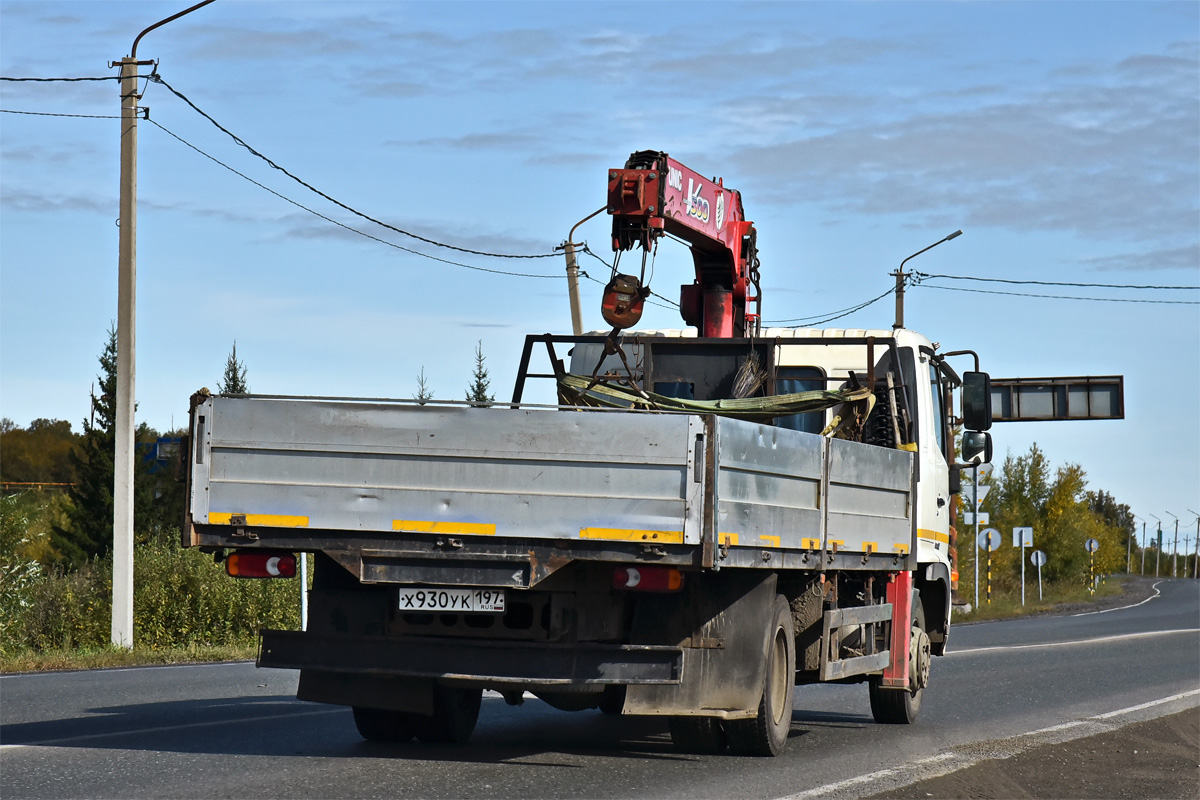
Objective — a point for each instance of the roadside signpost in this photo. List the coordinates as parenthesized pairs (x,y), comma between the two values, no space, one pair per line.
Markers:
(989,539)
(979,472)
(1038,558)
(1092,546)
(1022,538)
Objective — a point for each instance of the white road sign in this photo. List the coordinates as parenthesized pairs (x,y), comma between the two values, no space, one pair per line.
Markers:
(1022,537)
(989,539)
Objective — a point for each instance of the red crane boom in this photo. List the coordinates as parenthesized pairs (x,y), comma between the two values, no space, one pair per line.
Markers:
(655,195)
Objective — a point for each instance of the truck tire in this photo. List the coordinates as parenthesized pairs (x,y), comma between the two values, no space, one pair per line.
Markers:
(896,706)
(702,736)
(612,702)
(455,712)
(767,733)
(383,725)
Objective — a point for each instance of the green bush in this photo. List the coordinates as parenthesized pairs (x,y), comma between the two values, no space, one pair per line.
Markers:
(181,598)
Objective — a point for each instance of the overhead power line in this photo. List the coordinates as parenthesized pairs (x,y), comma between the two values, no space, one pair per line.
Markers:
(817,319)
(49,114)
(67,80)
(238,140)
(1063,297)
(923,275)
(336,222)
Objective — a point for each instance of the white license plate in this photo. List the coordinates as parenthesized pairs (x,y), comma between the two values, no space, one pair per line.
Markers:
(428,599)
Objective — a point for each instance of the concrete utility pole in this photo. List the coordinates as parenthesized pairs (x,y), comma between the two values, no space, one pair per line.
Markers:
(122,603)
(123,460)
(1175,549)
(901,275)
(573,274)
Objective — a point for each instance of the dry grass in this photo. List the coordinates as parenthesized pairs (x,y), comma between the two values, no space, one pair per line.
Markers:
(110,657)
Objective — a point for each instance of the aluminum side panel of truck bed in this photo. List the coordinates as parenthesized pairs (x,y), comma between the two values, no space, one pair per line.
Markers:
(772,491)
(354,466)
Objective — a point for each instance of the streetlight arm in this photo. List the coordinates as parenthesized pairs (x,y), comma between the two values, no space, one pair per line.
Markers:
(160,23)
(954,235)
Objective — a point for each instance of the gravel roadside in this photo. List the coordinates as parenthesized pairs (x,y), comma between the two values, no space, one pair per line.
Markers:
(1158,758)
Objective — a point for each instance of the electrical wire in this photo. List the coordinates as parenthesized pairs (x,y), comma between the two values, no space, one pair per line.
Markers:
(238,140)
(342,224)
(68,80)
(48,114)
(1062,297)
(667,303)
(836,314)
(923,275)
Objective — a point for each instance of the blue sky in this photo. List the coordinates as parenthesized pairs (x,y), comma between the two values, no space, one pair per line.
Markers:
(1063,138)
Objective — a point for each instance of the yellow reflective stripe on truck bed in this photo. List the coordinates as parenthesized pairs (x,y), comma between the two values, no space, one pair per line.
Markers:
(263,520)
(441,526)
(628,535)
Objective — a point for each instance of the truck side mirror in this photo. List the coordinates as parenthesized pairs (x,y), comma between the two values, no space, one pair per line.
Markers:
(977,401)
(976,447)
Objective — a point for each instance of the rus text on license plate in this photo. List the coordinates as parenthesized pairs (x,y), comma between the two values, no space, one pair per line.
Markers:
(430,599)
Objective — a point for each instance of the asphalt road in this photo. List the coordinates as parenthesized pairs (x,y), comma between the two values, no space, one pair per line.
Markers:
(233,731)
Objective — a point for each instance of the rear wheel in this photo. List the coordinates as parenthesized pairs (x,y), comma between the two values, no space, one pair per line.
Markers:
(455,712)
(612,702)
(897,706)
(767,733)
(383,725)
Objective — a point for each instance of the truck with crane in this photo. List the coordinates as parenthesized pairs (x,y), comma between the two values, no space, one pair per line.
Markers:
(704,520)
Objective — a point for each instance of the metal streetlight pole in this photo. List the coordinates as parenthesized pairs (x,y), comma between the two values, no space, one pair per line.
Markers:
(1143,572)
(1158,549)
(1196,555)
(1129,551)
(901,275)
(1175,548)
(123,458)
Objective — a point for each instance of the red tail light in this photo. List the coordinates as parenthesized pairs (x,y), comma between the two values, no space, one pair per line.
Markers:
(648,579)
(260,564)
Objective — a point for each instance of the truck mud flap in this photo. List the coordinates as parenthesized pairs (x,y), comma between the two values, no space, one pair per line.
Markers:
(486,661)
(721,619)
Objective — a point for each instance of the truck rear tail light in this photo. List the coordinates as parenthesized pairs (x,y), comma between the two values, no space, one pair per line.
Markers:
(260,564)
(648,579)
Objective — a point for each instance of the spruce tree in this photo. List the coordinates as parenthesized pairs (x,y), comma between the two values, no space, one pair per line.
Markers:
(234,380)
(424,393)
(90,517)
(477,392)
(89,529)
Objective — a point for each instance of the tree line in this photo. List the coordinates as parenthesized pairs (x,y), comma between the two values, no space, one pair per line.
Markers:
(1027,491)
(71,524)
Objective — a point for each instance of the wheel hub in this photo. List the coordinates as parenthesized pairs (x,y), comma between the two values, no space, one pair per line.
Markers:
(919,656)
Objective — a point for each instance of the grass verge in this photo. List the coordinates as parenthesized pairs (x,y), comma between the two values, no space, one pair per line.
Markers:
(1053,596)
(109,657)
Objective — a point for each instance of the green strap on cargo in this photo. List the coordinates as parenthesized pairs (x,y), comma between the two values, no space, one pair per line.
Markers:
(575,390)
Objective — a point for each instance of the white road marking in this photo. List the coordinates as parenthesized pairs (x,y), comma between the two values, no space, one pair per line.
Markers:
(963,757)
(1117,638)
(1154,596)
(1151,704)
(861,779)
(163,728)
